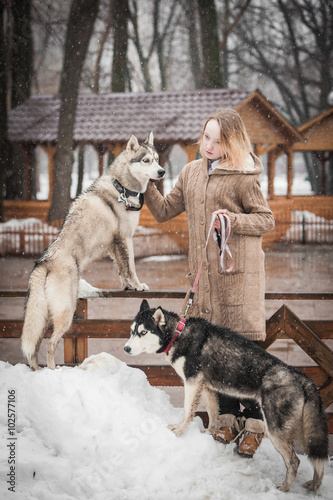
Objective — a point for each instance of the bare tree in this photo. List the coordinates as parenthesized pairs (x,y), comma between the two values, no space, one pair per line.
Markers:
(191,20)
(79,29)
(163,25)
(103,37)
(4,145)
(211,68)
(290,42)
(120,15)
(19,63)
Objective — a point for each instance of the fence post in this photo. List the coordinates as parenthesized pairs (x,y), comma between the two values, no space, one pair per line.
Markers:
(76,350)
(303,230)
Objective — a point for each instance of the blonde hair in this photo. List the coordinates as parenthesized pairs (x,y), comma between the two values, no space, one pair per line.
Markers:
(235,142)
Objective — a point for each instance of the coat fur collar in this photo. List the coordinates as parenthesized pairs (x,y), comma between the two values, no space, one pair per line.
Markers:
(252,166)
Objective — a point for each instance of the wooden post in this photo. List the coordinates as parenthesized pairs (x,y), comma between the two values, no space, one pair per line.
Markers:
(270,174)
(290,172)
(118,148)
(100,148)
(76,350)
(191,150)
(50,154)
(28,171)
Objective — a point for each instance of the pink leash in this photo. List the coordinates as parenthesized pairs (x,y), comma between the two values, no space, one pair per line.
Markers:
(221,240)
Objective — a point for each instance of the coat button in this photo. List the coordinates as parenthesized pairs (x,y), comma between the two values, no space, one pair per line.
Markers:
(207,310)
(207,288)
(202,221)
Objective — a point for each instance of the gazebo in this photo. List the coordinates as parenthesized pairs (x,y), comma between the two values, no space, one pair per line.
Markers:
(106,122)
(318,139)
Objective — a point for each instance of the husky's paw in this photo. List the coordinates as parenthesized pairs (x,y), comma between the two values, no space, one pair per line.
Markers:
(142,287)
(311,485)
(282,487)
(35,368)
(176,428)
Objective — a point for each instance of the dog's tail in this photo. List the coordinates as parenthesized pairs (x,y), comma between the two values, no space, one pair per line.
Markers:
(35,314)
(315,433)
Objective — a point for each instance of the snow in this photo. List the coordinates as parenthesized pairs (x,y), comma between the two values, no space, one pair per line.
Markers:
(100,432)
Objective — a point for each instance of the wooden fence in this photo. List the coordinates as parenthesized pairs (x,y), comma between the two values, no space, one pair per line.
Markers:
(31,239)
(300,219)
(284,324)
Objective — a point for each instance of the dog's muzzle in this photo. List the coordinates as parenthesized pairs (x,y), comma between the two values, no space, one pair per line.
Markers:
(160,174)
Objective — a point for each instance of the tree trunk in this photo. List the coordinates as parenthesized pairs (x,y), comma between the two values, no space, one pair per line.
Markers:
(21,69)
(120,14)
(191,22)
(4,145)
(211,77)
(80,170)
(79,29)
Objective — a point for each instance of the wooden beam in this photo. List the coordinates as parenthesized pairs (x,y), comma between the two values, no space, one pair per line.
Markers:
(270,174)
(120,328)
(51,150)
(290,172)
(308,341)
(76,349)
(180,294)
(28,171)
(191,150)
(274,328)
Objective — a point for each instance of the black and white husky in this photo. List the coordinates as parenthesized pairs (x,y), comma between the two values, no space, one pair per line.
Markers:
(100,223)
(212,359)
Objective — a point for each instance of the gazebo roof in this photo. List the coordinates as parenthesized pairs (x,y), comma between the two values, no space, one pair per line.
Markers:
(172,116)
(317,133)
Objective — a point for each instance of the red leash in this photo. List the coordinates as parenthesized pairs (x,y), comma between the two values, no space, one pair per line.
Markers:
(221,240)
(179,329)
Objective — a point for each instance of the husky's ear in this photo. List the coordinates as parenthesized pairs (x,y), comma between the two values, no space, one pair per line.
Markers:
(150,139)
(133,144)
(158,316)
(144,305)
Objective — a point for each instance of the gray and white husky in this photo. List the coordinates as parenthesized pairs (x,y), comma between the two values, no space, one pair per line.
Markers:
(213,359)
(99,223)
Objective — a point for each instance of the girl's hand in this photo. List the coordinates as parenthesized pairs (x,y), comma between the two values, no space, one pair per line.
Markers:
(217,224)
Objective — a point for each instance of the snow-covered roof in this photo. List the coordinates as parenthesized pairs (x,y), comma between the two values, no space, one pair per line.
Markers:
(172,116)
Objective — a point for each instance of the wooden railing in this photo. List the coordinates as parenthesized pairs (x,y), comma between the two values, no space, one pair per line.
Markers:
(284,324)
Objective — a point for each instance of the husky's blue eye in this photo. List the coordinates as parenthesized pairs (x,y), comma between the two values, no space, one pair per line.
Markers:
(145,160)
(143,332)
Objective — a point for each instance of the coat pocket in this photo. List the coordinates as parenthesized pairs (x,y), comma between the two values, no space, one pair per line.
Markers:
(231,287)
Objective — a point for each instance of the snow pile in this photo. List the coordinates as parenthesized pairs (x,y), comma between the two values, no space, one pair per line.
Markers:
(315,229)
(100,432)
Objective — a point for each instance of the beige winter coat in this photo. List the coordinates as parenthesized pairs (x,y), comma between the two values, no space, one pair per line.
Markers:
(237,299)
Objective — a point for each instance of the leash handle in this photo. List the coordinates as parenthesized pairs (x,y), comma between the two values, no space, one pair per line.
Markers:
(223,239)
(225,233)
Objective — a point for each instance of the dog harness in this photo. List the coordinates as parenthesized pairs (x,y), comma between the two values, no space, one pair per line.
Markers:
(125,193)
(221,241)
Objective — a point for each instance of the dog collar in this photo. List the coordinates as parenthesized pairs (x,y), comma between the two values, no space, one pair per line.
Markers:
(179,329)
(125,193)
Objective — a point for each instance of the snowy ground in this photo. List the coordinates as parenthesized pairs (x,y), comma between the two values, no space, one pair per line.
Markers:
(99,432)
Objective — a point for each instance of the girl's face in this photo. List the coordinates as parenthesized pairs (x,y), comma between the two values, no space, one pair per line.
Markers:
(211,141)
